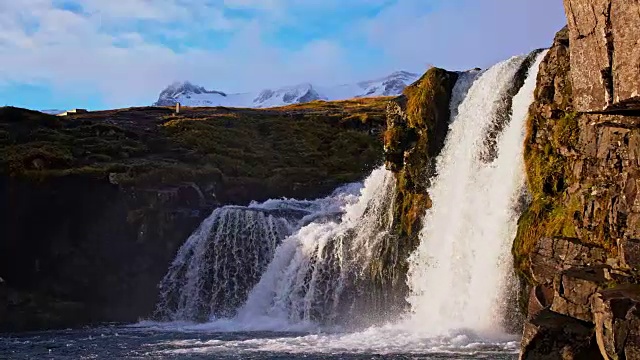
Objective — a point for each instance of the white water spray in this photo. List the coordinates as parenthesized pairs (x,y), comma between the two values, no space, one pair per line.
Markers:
(312,269)
(457,275)
(225,257)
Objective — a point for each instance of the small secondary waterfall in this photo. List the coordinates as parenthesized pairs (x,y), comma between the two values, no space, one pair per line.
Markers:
(458,274)
(317,272)
(225,257)
(220,262)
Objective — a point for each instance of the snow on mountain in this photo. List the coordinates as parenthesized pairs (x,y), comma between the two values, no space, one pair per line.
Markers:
(390,85)
(52,111)
(188,93)
(192,95)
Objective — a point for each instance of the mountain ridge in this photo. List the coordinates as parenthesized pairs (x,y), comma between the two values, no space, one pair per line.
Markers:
(189,94)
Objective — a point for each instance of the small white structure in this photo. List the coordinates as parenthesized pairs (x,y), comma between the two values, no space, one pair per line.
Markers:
(73,111)
(177,108)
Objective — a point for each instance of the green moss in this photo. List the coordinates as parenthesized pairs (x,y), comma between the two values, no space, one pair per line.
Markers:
(285,148)
(566,131)
(427,107)
(552,211)
(420,139)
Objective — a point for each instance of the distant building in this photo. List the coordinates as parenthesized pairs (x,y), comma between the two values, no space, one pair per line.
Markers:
(73,111)
(177,108)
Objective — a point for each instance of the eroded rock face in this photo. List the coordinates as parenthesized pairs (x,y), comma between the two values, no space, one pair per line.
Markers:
(617,321)
(605,53)
(580,234)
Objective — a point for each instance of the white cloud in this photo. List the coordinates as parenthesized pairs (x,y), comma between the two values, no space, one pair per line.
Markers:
(94,51)
(69,52)
(462,34)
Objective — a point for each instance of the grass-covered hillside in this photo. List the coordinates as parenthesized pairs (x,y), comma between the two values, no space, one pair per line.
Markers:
(290,150)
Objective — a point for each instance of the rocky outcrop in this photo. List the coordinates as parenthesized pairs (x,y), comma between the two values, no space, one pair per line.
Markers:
(417,124)
(605,54)
(577,243)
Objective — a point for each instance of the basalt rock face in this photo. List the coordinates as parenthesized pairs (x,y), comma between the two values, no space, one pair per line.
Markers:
(577,243)
(78,251)
(605,53)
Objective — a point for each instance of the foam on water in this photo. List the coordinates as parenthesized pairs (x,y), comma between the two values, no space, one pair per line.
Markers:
(384,340)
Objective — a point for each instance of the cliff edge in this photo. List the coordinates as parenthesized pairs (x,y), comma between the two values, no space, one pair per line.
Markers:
(578,243)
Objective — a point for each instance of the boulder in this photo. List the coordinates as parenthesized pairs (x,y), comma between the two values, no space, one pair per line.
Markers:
(574,289)
(550,336)
(605,56)
(617,322)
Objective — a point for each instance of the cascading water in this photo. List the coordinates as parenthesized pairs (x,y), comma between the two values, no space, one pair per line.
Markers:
(322,271)
(226,256)
(458,273)
(220,262)
(316,273)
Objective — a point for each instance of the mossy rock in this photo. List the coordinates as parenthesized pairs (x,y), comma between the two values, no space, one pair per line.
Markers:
(419,136)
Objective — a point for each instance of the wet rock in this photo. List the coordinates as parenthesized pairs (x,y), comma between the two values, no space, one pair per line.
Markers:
(574,289)
(617,322)
(398,137)
(605,55)
(550,336)
(417,125)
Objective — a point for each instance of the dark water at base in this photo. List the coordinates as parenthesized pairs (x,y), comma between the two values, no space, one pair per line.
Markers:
(132,343)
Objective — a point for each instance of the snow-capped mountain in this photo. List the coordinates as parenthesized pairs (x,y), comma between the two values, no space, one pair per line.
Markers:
(188,94)
(179,92)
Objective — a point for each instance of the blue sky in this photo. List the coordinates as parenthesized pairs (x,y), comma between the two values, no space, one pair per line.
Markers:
(106,53)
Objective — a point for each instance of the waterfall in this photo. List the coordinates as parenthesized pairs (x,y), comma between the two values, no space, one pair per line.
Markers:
(284,262)
(225,257)
(459,272)
(220,262)
(317,273)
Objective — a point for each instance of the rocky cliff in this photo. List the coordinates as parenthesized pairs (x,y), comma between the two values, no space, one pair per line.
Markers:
(578,243)
(94,206)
